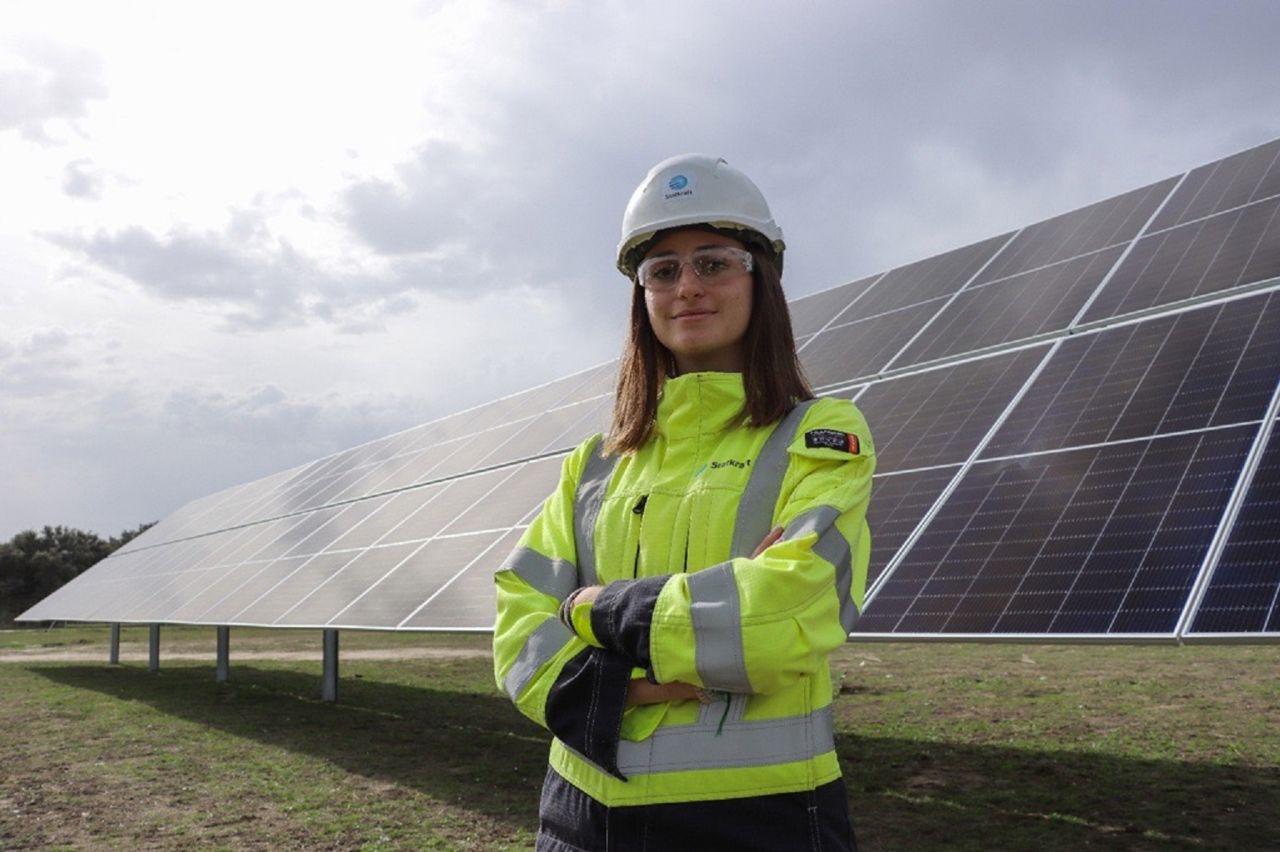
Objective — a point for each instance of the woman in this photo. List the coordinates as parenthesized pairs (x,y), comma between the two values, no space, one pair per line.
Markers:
(669,613)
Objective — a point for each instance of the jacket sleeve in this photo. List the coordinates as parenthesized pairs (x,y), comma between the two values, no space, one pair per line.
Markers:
(576,691)
(756,625)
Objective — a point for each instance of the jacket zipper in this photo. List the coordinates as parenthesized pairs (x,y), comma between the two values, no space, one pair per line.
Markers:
(638,510)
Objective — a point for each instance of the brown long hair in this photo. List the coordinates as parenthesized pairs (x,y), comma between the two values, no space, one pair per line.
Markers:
(771,373)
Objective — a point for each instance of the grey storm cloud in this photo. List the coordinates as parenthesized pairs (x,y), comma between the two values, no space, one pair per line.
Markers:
(57,82)
(872,128)
(431,203)
(182,265)
(259,281)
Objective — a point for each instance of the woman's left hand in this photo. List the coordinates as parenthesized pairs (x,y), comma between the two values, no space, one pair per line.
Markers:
(587,594)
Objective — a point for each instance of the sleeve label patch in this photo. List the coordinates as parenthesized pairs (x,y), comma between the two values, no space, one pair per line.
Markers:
(830,439)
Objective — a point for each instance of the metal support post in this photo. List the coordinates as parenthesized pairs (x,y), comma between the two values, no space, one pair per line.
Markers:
(113,655)
(330,689)
(154,663)
(224,655)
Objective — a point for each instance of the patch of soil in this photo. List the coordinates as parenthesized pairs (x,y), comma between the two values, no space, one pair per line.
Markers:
(136,652)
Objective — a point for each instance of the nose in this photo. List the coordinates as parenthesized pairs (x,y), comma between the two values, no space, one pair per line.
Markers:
(687,282)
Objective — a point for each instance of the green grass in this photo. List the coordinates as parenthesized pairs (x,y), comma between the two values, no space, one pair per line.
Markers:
(944,747)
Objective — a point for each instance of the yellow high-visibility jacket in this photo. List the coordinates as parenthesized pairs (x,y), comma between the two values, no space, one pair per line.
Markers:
(670,529)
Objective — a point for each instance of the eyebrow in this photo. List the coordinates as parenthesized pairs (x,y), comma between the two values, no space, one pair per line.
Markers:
(673,253)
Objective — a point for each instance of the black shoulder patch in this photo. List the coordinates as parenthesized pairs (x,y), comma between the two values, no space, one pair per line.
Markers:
(830,439)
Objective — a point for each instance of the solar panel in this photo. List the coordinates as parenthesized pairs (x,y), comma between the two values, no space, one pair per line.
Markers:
(1202,257)
(901,500)
(863,348)
(1022,306)
(1229,183)
(466,599)
(930,279)
(1242,597)
(1095,541)
(396,595)
(938,417)
(1080,232)
(1200,368)
(1069,429)
(812,313)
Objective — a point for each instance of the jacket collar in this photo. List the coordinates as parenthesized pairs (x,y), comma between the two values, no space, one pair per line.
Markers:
(699,403)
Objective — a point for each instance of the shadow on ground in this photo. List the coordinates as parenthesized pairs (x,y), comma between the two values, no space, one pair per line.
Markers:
(908,794)
(905,794)
(451,744)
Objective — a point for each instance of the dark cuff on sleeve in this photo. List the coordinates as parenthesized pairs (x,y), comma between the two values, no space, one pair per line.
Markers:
(621,614)
(585,705)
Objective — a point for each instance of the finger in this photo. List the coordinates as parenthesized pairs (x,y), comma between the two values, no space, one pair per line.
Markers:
(773,536)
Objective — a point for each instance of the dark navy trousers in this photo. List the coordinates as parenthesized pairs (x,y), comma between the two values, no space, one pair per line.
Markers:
(572,821)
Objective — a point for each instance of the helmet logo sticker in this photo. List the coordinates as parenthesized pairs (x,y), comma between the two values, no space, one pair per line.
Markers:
(680,186)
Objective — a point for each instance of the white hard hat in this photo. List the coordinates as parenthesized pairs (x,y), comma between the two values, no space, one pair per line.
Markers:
(694,189)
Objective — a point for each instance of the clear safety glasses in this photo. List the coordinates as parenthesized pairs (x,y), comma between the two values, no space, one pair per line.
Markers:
(712,265)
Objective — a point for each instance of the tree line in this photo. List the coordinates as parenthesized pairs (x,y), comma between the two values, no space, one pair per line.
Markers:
(33,565)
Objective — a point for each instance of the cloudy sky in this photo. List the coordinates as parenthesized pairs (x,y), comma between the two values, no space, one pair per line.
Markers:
(238,236)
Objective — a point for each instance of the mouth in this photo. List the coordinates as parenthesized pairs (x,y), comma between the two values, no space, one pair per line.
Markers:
(693,314)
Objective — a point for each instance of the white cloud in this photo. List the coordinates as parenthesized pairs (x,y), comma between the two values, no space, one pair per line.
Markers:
(274,230)
(47,84)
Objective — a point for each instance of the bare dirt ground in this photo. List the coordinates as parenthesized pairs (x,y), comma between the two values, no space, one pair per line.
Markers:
(138,651)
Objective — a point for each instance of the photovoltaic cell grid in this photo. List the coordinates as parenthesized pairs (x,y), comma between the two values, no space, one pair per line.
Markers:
(1218,229)
(306,565)
(938,417)
(1023,306)
(812,313)
(1212,366)
(548,419)
(1028,463)
(1243,592)
(1079,233)
(1192,372)
(1103,540)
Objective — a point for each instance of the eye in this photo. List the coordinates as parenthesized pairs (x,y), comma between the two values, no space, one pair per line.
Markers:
(663,271)
(712,265)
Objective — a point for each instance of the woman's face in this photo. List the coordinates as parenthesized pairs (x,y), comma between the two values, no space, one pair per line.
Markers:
(703,324)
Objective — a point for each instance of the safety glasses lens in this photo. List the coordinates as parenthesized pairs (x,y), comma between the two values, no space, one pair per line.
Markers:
(709,264)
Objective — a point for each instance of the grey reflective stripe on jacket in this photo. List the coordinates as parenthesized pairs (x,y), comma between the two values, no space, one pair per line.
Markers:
(721,738)
(543,644)
(833,547)
(555,578)
(738,744)
(755,509)
(714,610)
(716,617)
(587,501)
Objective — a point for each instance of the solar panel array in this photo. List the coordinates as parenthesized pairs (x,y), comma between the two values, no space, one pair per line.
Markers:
(1075,425)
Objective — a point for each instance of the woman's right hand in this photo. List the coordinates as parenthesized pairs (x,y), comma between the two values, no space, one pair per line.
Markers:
(773,536)
(642,691)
